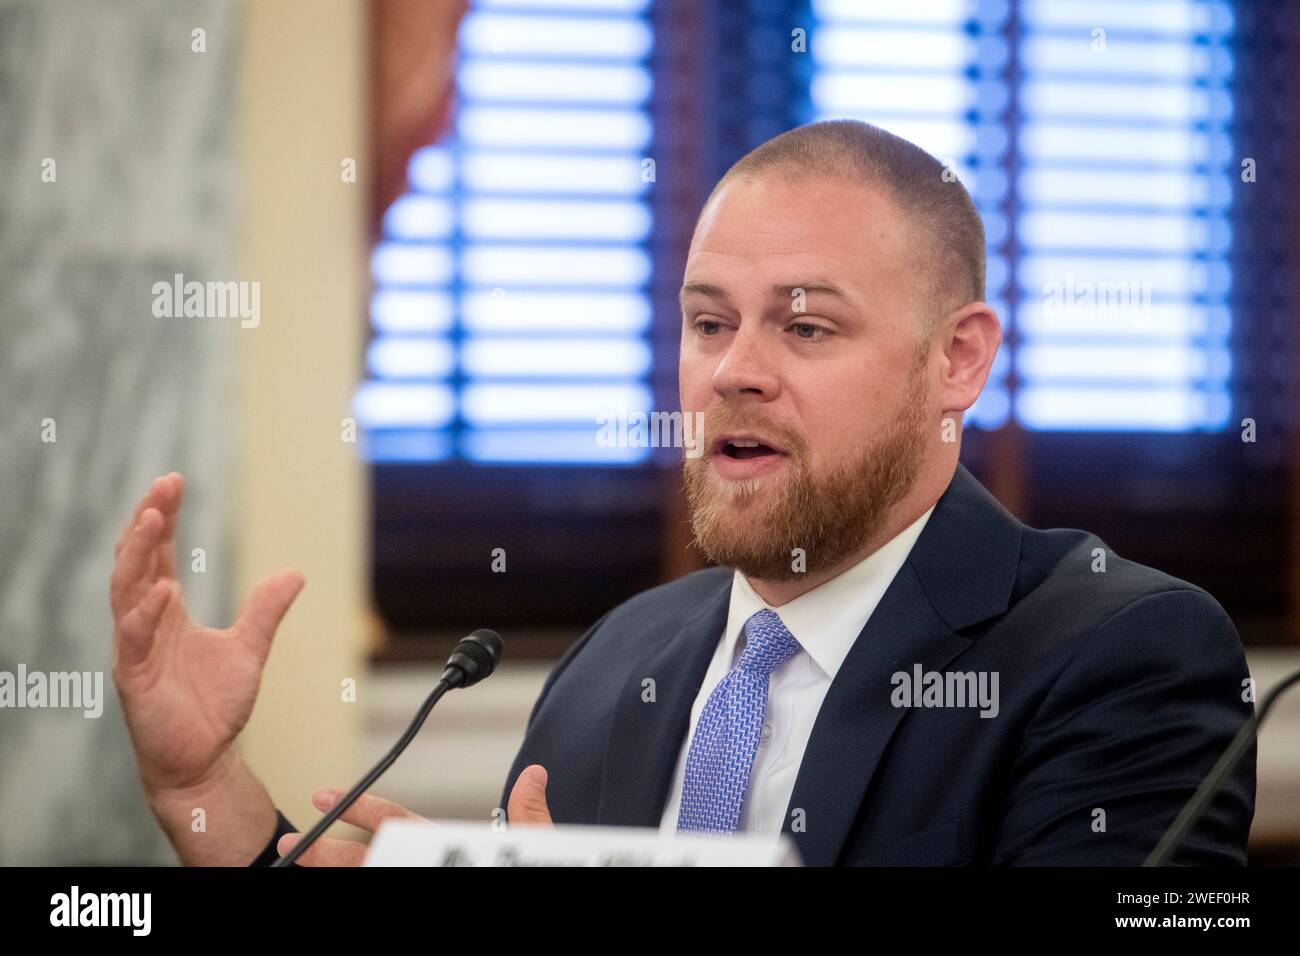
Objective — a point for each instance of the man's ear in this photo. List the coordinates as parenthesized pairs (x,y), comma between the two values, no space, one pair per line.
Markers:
(969,340)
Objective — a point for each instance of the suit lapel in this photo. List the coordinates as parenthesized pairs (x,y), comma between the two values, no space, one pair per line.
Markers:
(857,720)
(645,738)
(960,572)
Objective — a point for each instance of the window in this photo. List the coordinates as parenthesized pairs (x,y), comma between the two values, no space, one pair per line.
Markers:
(510,308)
(1143,285)
(1094,139)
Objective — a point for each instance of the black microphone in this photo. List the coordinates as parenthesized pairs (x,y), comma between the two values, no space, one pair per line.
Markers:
(1191,814)
(474,659)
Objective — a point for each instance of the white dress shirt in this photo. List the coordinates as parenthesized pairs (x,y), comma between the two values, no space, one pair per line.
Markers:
(825,621)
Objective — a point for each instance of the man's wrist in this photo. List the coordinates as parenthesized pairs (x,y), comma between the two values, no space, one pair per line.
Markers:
(168,799)
(222,819)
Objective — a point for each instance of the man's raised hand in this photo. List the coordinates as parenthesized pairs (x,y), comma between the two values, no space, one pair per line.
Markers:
(187,690)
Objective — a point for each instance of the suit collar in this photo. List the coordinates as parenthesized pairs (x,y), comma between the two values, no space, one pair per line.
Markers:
(827,620)
(967,556)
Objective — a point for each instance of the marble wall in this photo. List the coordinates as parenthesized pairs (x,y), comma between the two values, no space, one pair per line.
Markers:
(139,126)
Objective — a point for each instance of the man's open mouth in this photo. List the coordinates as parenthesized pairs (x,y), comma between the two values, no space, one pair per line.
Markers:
(743,446)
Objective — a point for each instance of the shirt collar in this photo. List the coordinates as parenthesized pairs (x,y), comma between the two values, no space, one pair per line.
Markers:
(828,619)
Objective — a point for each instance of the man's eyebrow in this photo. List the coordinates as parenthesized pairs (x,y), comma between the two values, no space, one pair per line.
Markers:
(703,288)
(824,288)
(784,291)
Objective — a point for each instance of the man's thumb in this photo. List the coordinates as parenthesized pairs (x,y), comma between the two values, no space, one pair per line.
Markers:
(267,606)
(528,798)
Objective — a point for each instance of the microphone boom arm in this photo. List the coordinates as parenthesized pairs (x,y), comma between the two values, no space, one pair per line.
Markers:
(474,658)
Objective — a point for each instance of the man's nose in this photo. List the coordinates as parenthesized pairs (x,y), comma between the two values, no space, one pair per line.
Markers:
(748,368)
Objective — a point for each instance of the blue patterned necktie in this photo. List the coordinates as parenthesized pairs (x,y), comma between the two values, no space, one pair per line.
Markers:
(727,733)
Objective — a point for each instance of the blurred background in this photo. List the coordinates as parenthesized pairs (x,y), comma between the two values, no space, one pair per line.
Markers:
(467,222)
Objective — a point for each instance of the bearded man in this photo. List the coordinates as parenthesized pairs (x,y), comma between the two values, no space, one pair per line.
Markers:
(884,663)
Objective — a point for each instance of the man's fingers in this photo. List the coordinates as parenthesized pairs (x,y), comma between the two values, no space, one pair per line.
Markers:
(152,499)
(527,805)
(131,568)
(143,503)
(528,798)
(324,852)
(136,632)
(368,812)
(169,504)
(266,607)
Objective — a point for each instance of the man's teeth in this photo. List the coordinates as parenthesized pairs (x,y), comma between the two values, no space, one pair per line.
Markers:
(747,448)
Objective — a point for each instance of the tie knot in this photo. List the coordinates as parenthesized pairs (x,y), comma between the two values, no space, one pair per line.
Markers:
(768,644)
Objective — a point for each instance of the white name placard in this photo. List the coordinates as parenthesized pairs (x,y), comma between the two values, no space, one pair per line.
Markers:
(439,843)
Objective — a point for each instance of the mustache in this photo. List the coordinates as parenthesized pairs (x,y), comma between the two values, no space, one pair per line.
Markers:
(726,419)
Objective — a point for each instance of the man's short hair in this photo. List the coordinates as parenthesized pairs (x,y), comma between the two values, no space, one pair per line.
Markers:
(949,236)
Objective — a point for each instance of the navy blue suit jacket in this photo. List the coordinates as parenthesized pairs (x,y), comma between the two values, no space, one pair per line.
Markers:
(1118,691)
